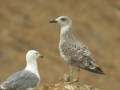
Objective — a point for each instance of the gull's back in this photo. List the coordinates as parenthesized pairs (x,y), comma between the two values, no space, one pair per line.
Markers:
(21,80)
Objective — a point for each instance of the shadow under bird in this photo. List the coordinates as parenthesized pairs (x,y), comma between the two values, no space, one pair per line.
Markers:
(75,53)
(26,79)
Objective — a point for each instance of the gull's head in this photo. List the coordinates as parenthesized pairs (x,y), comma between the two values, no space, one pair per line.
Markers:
(62,20)
(33,55)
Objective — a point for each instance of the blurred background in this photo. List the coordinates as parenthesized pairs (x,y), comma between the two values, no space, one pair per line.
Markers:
(24,25)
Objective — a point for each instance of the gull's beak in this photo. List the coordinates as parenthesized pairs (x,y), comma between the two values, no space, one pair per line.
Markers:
(41,56)
(53,21)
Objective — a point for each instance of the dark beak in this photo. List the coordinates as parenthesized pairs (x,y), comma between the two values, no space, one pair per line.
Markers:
(41,56)
(53,21)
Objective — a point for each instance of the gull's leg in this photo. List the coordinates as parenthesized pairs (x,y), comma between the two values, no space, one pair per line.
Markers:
(77,80)
(71,73)
(68,77)
(78,77)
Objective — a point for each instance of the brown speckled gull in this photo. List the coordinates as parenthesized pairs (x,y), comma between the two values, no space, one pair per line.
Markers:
(74,52)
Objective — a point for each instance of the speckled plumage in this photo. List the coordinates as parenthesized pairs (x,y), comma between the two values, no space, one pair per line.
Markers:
(74,52)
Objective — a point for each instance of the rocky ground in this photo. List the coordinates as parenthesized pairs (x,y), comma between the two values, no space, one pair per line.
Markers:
(67,86)
(24,25)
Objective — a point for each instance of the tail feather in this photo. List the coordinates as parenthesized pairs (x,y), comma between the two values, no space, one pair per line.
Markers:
(97,70)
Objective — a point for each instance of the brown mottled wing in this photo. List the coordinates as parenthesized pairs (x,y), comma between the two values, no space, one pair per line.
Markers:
(79,55)
(84,59)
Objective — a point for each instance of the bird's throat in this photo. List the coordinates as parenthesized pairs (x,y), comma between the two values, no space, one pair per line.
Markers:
(32,66)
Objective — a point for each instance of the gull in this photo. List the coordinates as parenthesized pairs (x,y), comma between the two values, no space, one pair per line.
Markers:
(75,53)
(26,79)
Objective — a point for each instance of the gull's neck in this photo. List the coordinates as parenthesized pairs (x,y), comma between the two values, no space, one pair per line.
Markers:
(66,32)
(32,66)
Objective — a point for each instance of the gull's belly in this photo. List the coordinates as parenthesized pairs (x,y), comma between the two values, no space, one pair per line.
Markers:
(65,57)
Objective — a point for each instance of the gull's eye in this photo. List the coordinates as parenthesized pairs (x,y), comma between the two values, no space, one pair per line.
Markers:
(36,53)
(63,19)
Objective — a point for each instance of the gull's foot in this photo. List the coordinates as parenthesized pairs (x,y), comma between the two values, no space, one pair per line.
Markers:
(66,78)
(74,81)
